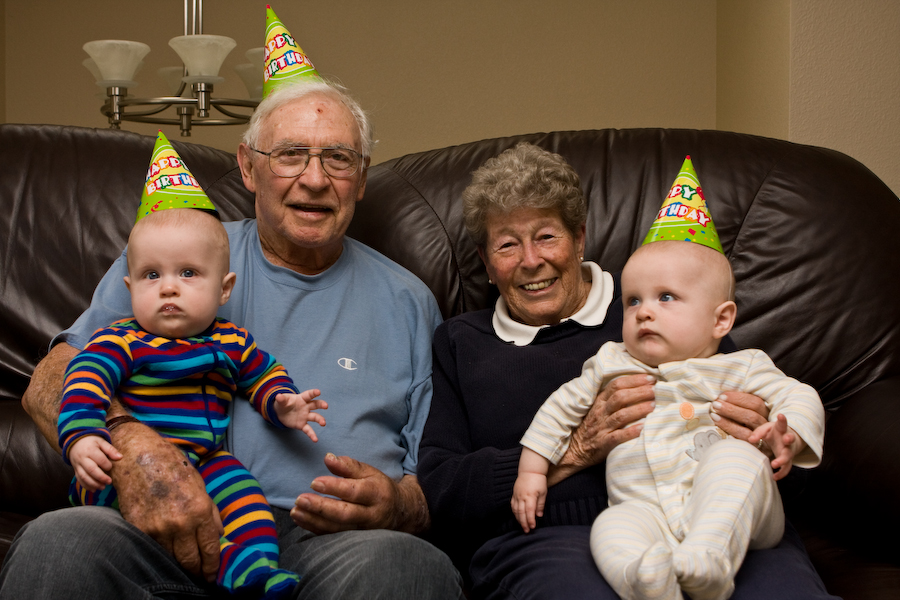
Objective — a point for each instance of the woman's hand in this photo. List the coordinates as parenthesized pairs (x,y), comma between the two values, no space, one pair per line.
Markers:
(609,423)
(739,414)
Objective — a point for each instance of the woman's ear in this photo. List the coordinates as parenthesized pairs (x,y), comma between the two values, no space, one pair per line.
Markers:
(487,265)
(725,315)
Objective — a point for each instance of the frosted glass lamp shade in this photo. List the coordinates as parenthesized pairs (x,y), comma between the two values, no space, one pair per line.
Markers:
(117,60)
(252,78)
(257,56)
(203,55)
(91,66)
(172,76)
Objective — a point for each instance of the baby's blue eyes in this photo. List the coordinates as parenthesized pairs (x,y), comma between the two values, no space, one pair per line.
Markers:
(184,273)
(664,297)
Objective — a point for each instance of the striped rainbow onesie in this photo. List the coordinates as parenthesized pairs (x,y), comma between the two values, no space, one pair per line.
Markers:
(658,492)
(181,388)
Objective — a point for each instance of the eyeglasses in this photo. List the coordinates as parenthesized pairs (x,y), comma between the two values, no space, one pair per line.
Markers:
(339,163)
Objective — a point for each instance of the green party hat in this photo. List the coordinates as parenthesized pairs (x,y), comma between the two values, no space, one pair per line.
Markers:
(169,183)
(684,215)
(284,58)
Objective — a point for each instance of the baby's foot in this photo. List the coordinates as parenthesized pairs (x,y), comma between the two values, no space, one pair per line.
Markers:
(703,574)
(652,577)
(280,584)
(245,569)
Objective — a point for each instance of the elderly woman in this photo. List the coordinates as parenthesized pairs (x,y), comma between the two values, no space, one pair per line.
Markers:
(493,369)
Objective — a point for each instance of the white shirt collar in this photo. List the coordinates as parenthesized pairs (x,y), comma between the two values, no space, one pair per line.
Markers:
(591,314)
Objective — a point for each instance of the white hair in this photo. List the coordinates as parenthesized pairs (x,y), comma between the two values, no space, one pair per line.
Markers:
(289,92)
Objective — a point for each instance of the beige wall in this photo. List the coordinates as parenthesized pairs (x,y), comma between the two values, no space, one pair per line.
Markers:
(753,66)
(3,61)
(432,73)
(436,73)
(845,80)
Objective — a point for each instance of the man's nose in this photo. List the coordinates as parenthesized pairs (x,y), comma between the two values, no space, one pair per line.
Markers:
(314,176)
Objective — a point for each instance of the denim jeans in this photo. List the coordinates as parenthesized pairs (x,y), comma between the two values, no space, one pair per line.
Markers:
(93,553)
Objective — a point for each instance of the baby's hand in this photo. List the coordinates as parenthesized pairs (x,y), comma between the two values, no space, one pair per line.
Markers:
(529,495)
(782,440)
(92,457)
(295,411)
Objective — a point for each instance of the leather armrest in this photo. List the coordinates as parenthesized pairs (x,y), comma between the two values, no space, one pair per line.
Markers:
(855,492)
(33,477)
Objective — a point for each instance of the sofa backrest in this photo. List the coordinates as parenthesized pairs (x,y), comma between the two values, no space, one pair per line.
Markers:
(810,233)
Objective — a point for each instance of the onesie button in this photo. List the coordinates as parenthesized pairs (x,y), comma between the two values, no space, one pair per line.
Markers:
(686,410)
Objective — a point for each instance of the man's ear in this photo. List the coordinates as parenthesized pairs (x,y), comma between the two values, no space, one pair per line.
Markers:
(245,163)
(363,177)
(725,315)
(227,287)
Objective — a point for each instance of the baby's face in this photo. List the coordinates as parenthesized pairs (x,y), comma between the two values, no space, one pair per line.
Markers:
(672,292)
(177,279)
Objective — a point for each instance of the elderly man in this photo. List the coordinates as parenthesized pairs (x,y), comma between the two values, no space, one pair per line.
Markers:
(342,318)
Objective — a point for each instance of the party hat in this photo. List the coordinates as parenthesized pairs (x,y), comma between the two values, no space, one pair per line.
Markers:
(169,183)
(684,215)
(284,58)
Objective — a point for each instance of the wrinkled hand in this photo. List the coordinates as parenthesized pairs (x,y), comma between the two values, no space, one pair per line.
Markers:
(91,458)
(782,441)
(529,496)
(609,423)
(365,498)
(739,414)
(163,495)
(296,411)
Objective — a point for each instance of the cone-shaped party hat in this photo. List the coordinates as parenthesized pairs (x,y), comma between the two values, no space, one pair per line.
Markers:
(169,183)
(684,215)
(284,58)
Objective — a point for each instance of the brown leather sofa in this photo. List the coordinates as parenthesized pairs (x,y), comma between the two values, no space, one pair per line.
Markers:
(812,234)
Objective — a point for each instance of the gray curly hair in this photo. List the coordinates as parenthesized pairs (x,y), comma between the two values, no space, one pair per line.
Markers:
(287,93)
(524,176)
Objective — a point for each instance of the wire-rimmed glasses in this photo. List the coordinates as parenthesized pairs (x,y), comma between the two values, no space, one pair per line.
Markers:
(340,163)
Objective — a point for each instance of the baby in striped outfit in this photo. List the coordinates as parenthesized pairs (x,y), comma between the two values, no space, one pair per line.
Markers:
(686,500)
(176,367)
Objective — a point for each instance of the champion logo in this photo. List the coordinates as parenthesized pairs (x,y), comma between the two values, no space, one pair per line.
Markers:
(347,363)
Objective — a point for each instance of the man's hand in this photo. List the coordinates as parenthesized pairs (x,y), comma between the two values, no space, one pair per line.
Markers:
(159,491)
(609,423)
(163,495)
(739,414)
(365,498)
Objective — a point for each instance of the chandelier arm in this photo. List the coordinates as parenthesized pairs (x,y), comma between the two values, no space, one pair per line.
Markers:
(233,115)
(196,122)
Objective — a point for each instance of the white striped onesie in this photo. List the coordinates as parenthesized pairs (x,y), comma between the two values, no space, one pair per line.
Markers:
(715,513)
